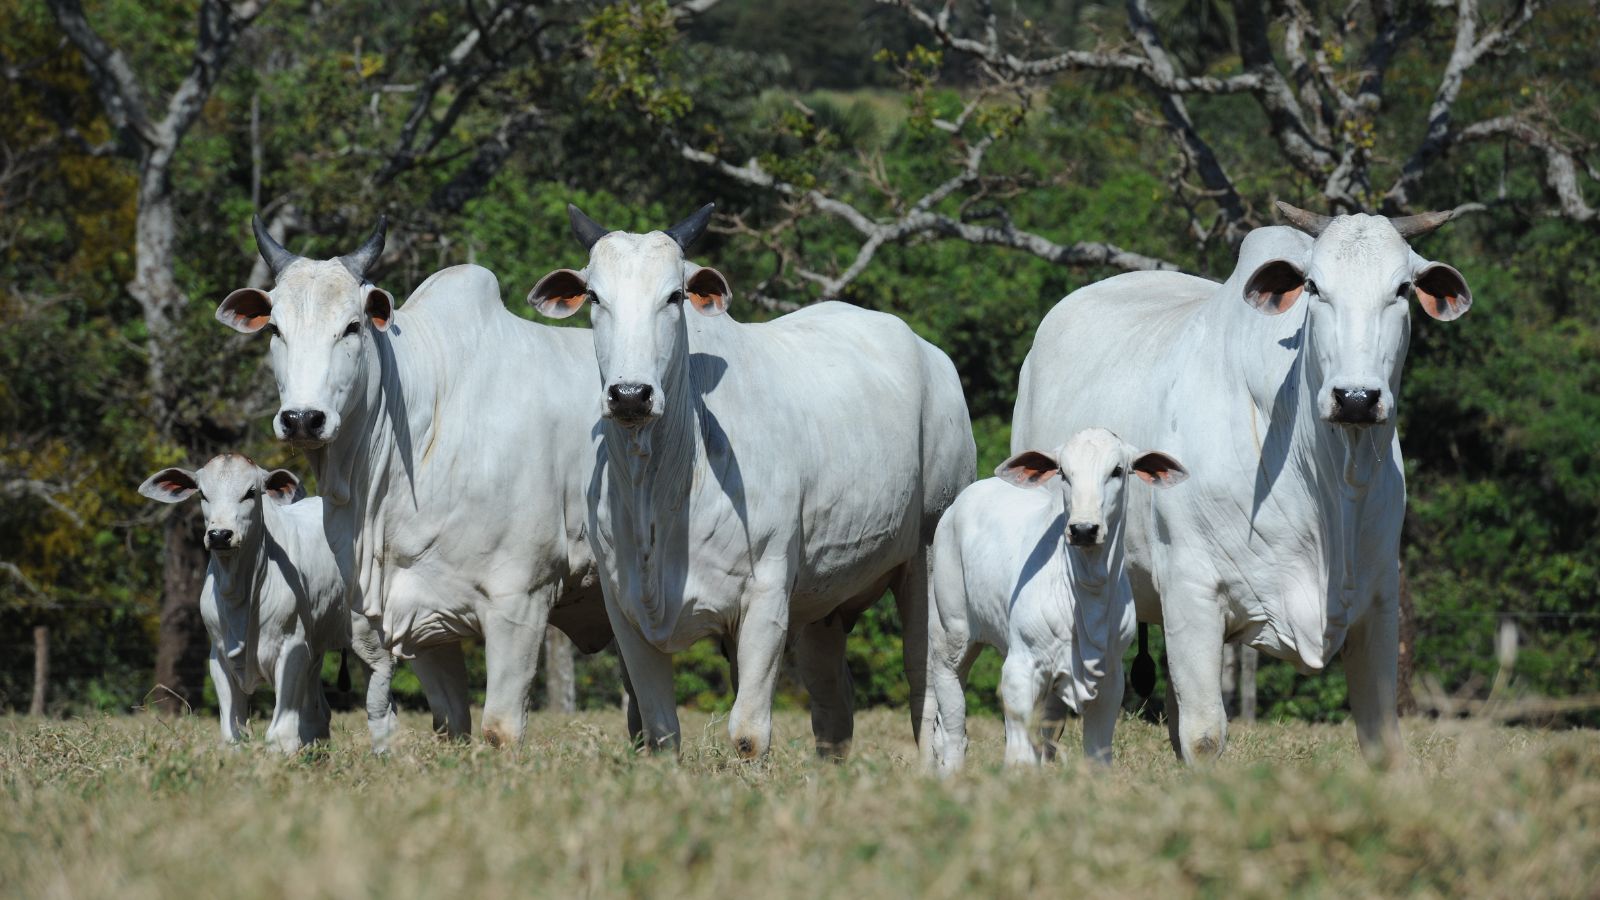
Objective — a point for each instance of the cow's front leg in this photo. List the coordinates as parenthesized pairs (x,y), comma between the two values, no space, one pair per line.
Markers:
(1100,714)
(760,642)
(820,650)
(1053,712)
(230,699)
(381,718)
(1194,627)
(1020,690)
(293,712)
(443,672)
(511,651)
(649,670)
(1371,660)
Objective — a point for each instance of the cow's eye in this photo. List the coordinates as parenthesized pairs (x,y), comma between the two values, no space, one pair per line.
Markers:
(273,330)
(249,494)
(1311,288)
(592,297)
(1117,472)
(353,328)
(1403,289)
(676,298)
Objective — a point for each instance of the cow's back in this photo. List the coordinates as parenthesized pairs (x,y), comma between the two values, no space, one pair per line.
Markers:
(1105,357)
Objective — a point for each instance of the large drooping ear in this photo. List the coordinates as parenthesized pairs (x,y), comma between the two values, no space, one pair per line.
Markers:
(708,291)
(1158,469)
(1442,291)
(1275,286)
(1030,468)
(559,294)
(282,486)
(245,310)
(380,307)
(170,486)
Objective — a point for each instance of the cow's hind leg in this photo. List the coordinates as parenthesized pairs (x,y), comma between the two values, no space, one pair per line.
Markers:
(511,652)
(820,651)
(1371,659)
(443,672)
(1053,712)
(911,600)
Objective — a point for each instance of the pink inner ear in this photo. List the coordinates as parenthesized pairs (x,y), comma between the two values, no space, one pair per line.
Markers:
(380,308)
(708,291)
(246,310)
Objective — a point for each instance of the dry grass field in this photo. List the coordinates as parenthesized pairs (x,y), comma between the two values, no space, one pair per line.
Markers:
(134,807)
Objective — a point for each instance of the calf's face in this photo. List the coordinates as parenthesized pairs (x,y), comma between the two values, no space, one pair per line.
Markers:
(636,287)
(231,488)
(316,316)
(1090,471)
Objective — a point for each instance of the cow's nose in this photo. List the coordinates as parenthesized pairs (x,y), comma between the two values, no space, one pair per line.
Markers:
(303,424)
(1358,406)
(219,538)
(630,401)
(1081,534)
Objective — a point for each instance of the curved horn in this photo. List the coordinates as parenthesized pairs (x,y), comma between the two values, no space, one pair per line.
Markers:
(1422,223)
(272,252)
(360,261)
(585,229)
(689,230)
(1309,222)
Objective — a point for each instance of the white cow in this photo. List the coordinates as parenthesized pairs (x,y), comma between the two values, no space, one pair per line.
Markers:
(1279,387)
(453,442)
(273,600)
(1030,562)
(757,480)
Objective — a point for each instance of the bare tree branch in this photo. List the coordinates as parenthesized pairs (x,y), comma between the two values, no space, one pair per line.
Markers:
(920,220)
(1468,50)
(43,491)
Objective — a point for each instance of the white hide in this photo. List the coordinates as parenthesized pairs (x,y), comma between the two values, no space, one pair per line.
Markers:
(787,474)
(1059,609)
(273,600)
(1287,538)
(455,459)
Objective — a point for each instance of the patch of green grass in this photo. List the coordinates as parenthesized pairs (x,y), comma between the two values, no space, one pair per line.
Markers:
(138,807)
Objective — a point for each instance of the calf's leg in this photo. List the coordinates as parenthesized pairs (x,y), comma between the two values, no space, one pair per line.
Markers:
(1020,692)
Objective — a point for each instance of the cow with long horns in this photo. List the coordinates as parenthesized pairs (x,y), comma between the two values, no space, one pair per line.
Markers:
(758,481)
(1280,389)
(452,442)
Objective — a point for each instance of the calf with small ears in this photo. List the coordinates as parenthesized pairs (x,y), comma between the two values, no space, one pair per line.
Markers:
(1030,562)
(273,600)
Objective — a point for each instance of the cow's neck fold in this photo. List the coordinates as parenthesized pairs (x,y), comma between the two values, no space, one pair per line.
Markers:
(1091,597)
(652,475)
(354,473)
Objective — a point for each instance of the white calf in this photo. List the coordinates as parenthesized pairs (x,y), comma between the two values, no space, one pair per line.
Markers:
(1030,563)
(273,600)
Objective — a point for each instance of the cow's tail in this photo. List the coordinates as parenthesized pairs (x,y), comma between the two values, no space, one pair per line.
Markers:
(344,670)
(1144,668)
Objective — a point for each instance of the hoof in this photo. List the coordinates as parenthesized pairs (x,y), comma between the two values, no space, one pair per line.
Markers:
(745,747)
(1206,748)
(496,737)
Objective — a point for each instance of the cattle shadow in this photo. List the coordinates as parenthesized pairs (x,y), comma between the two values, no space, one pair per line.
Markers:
(1279,439)
(1047,546)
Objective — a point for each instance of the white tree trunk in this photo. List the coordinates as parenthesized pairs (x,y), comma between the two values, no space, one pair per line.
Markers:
(560,672)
